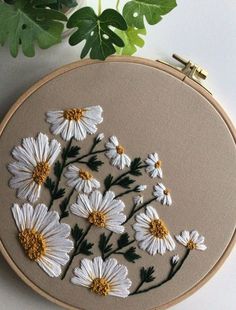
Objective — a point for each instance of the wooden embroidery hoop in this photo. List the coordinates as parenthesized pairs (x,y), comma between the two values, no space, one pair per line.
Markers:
(158,65)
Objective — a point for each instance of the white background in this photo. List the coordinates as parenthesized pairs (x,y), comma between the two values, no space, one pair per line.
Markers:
(203,30)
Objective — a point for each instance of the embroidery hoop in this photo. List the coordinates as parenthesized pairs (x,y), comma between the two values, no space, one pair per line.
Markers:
(160,66)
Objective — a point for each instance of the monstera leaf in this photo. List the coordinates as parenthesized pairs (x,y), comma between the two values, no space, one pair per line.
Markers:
(96,31)
(24,24)
(132,40)
(134,11)
(59,4)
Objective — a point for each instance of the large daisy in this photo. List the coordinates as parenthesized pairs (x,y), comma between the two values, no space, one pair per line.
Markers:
(34,160)
(152,234)
(154,166)
(116,152)
(43,237)
(75,122)
(101,211)
(162,194)
(192,240)
(103,277)
(82,180)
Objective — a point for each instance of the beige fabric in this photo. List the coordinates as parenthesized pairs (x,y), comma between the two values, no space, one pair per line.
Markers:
(149,111)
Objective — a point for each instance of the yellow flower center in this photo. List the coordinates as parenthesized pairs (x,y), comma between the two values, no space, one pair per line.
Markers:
(100,286)
(158,229)
(97,218)
(120,149)
(191,245)
(85,175)
(158,164)
(73,114)
(33,243)
(41,172)
(166,191)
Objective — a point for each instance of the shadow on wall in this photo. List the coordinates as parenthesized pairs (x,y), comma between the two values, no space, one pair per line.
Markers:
(15,294)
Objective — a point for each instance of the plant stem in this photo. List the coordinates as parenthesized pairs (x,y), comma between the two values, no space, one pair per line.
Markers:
(171,274)
(117,5)
(76,251)
(118,248)
(99,7)
(125,193)
(60,174)
(67,201)
(84,156)
(135,210)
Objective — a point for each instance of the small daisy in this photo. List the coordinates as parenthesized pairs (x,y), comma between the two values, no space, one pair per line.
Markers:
(82,180)
(100,137)
(175,259)
(75,122)
(101,211)
(34,160)
(162,194)
(103,277)
(154,166)
(116,153)
(152,233)
(192,240)
(141,188)
(43,237)
(138,200)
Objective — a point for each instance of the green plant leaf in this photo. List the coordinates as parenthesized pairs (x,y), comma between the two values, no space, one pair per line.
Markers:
(59,194)
(76,232)
(49,184)
(24,24)
(57,168)
(59,4)
(130,255)
(126,182)
(146,275)
(134,11)
(85,248)
(103,245)
(94,164)
(96,31)
(132,40)
(108,181)
(123,240)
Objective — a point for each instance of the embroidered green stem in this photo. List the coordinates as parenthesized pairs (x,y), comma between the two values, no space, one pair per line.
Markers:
(63,165)
(116,251)
(172,273)
(135,209)
(125,193)
(78,160)
(76,251)
(65,203)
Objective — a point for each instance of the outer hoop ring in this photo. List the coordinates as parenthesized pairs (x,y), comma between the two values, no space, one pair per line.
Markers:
(135,60)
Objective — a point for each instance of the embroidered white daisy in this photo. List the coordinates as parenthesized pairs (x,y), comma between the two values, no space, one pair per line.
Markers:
(162,194)
(75,122)
(192,240)
(34,160)
(43,237)
(154,166)
(152,234)
(175,259)
(116,152)
(103,277)
(101,211)
(82,180)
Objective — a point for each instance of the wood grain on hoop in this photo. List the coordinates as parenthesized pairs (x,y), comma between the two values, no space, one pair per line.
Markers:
(160,66)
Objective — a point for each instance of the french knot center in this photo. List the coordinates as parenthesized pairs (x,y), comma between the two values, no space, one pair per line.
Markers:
(73,114)
(120,149)
(41,172)
(97,218)
(158,229)
(85,175)
(100,286)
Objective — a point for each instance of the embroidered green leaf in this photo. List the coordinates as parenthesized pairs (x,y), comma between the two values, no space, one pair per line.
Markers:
(108,181)
(97,31)
(59,194)
(103,246)
(135,11)
(130,255)
(123,240)
(85,248)
(49,184)
(57,168)
(135,166)
(132,40)
(63,206)
(24,24)
(125,182)
(146,275)
(71,153)
(76,232)
(93,163)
